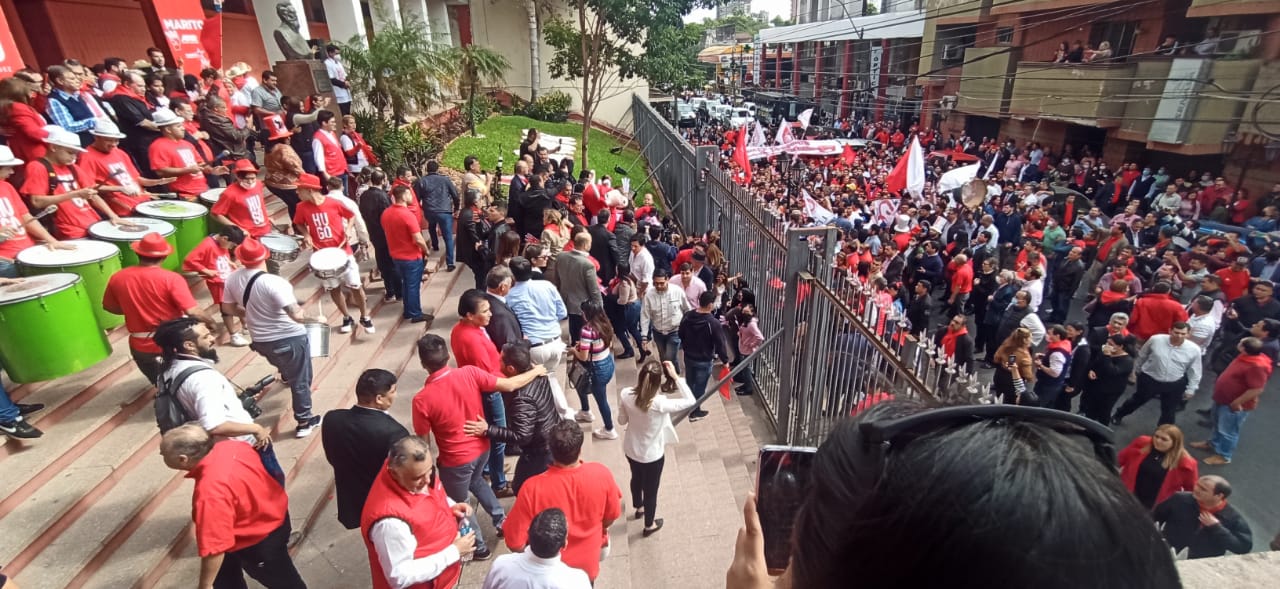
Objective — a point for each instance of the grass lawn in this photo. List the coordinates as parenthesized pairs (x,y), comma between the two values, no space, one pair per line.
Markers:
(502,136)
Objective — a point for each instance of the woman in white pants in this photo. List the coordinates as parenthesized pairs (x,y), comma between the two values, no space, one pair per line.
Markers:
(646,413)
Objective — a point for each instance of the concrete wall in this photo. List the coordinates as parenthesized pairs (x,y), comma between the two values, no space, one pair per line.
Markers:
(503,26)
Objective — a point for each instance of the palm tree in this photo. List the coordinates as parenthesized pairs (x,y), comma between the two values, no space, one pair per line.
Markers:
(400,69)
(535,42)
(477,66)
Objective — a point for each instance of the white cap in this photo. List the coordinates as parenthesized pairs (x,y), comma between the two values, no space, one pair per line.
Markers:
(7,158)
(164,117)
(106,128)
(62,138)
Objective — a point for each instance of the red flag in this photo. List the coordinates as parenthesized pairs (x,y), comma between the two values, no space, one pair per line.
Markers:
(848,157)
(896,181)
(740,157)
(724,388)
(211,40)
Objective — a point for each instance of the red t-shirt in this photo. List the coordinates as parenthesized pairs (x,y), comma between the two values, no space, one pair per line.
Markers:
(400,224)
(235,503)
(592,199)
(209,256)
(1244,373)
(176,153)
(74,216)
(587,494)
(12,212)
(472,347)
(1234,282)
(962,280)
(147,296)
(325,223)
(245,208)
(113,169)
(684,255)
(450,398)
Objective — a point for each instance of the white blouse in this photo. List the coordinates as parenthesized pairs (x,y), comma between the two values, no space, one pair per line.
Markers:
(649,432)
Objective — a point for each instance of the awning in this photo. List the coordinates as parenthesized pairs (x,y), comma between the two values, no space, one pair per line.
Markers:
(894,25)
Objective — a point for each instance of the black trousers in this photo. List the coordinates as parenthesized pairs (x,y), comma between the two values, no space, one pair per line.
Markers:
(576,321)
(1097,405)
(645,477)
(986,340)
(149,364)
(267,562)
(532,461)
(1169,393)
(387,268)
(289,196)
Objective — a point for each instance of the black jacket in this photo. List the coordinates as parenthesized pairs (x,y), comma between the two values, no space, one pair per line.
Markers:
(1066,278)
(436,193)
(503,326)
(604,248)
(355,442)
(528,216)
(702,338)
(373,203)
(964,348)
(1012,318)
(1180,515)
(998,305)
(1112,372)
(1081,358)
(531,411)
(472,229)
(918,313)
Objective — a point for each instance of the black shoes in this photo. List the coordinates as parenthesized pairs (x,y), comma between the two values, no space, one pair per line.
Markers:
(625,355)
(29,408)
(485,554)
(19,428)
(451,269)
(305,428)
(657,525)
(697,415)
(422,318)
(502,493)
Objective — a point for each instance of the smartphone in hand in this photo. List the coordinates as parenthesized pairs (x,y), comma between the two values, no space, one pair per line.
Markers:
(781,486)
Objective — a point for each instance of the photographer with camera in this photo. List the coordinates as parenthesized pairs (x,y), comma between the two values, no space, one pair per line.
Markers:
(204,394)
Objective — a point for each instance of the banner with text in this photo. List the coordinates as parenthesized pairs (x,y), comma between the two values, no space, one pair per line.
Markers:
(182,23)
(10,60)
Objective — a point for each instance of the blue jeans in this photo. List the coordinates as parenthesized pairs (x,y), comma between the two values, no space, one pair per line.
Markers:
(445,222)
(271,463)
(668,345)
(292,357)
(1226,429)
(697,374)
(628,323)
(410,272)
(496,414)
(601,374)
(469,477)
(8,269)
(8,411)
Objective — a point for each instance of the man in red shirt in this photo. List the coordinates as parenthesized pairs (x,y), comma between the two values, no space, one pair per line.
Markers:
(403,229)
(242,203)
(961,284)
(585,491)
(233,535)
(17,226)
(473,347)
(450,397)
(1156,312)
(212,261)
(173,157)
(1235,278)
(55,180)
(1235,395)
(112,171)
(148,295)
(323,224)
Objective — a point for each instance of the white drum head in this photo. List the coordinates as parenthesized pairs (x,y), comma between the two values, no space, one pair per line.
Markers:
(133,229)
(211,196)
(87,251)
(171,209)
(329,259)
(30,288)
(279,242)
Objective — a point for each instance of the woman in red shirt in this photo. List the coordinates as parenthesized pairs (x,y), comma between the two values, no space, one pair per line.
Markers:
(1157,466)
(20,123)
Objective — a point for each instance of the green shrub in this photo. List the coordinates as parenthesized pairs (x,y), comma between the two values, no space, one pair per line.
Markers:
(478,109)
(412,145)
(552,107)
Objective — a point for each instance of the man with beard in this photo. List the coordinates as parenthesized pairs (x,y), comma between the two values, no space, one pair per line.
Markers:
(206,395)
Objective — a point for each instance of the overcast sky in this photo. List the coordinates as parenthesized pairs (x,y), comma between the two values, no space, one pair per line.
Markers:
(773,7)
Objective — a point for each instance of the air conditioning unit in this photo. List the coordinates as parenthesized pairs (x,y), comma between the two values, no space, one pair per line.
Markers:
(951,52)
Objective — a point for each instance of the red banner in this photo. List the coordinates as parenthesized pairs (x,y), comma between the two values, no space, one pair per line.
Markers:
(212,40)
(182,24)
(10,60)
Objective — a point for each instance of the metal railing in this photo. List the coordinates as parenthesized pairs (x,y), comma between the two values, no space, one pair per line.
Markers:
(830,345)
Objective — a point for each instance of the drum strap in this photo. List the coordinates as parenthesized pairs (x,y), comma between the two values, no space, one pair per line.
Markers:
(248,288)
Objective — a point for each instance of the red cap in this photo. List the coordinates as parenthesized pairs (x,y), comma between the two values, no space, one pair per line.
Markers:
(309,181)
(152,245)
(243,166)
(251,251)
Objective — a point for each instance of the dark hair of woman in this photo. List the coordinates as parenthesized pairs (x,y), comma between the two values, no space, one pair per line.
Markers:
(598,320)
(12,90)
(997,503)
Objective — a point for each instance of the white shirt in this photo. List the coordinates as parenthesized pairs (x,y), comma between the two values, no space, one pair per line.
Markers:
(362,230)
(1202,329)
(1036,289)
(337,72)
(395,544)
(241,98)
(208,396)
(265,315)
(649,432)
(663,309)
(526,570)
(1033,324)
(1168,363)
(361,159)
(641,266)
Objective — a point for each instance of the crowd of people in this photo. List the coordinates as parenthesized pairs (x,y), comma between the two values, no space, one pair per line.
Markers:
(1068,279)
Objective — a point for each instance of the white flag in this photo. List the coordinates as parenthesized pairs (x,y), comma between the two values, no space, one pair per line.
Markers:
(816,211)
(915,168)
(757,137)
(804,118)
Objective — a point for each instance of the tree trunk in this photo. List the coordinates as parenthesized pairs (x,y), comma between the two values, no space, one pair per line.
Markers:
(535,42)
(589,64)
(471,107)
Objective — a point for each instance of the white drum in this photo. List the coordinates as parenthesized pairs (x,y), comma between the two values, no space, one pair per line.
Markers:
(283,249)
(210,197)
(87,251)
(131,229)
(329,263)
(170,209)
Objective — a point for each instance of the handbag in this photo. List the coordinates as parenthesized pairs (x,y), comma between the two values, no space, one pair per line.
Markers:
(580,376)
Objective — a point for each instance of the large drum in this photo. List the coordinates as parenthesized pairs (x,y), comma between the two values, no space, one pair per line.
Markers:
(283,248)
(93,261)
(47,329)
(133,229)
(209,198)
(329,264)
(190,221)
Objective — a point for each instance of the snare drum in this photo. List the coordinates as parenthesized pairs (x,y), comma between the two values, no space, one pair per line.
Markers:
(94,261)
(283,249)
(47,328)
(132,229)
(209,198)
(190,221)
(330,265)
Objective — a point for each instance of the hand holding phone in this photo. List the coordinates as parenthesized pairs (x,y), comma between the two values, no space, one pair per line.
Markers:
(780,490)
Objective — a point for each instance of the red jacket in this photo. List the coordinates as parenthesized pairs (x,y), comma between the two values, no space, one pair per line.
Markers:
(429,518)
(1180,478)
(25,132)
(1155,314)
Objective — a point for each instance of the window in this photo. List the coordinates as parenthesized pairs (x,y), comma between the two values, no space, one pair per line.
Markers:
(1004,36)
(1119,34)
(950,42)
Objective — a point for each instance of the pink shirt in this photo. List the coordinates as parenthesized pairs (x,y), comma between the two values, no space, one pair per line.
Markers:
(692,291)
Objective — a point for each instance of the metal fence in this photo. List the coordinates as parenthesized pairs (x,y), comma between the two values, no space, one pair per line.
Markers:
(829,344)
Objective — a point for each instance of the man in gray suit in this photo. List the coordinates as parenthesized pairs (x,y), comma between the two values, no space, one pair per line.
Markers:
(575,276)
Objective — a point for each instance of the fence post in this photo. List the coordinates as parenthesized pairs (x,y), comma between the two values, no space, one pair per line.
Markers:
(792,369)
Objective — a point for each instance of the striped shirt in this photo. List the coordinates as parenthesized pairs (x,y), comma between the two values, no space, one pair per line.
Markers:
(592,341)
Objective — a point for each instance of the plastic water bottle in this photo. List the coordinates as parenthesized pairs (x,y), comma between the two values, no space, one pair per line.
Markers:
(465,529)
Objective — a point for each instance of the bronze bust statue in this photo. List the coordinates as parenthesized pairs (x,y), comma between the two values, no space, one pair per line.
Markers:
(290,41)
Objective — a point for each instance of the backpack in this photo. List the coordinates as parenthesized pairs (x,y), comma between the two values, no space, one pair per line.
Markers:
(169,411)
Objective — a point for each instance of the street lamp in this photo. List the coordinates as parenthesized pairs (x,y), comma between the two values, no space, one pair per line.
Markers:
(798,174)
(784,164)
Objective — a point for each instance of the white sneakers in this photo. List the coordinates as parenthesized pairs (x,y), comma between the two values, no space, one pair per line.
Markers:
(238,340)
(605,434)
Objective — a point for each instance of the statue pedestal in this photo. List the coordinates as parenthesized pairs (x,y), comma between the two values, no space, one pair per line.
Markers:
(305,77)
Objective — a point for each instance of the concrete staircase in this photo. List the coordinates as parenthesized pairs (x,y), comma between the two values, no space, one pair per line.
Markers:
(92,505)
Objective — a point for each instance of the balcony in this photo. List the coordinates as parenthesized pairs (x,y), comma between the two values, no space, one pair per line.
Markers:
(1083,94)
(1187,105)
(983,87)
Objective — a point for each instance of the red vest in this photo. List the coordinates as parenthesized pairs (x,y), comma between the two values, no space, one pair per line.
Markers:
(335,162)
(429,517)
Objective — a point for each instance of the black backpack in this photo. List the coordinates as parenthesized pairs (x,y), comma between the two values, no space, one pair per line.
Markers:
(169,411)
